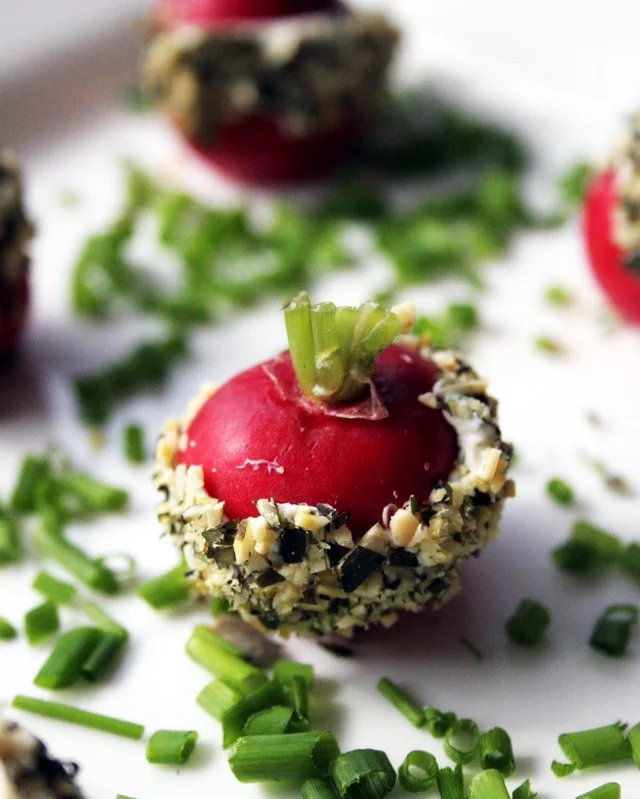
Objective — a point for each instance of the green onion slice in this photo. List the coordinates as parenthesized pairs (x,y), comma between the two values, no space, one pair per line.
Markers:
(462,741)
(596,747)
(318,788)
(613,629)
(10,544)
(33,473)
(74,715)
(102,619)
(56,590)
(270,721)
(218,606)
(171,747)
(450,783)
(562,769)
(63,667)
(134,444)
(41,622)
(121,564)
(103,656)
(217,656)
(217,697)
(170,590)
(634,742)
(285,670)
(524,791)
(610,790)
(7,631)
(496,751)
(560,492)
(402,702)
(235,717)
(362,774)
(418,771)
(529,622)
(439,723)
(293,757)
(488,784)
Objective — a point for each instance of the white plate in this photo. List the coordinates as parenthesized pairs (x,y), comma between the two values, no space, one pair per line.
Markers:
(536,71)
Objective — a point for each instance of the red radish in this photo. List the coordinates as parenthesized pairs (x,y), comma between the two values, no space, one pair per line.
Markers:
(619,282)
(14,302)
(259,436)
(212,12)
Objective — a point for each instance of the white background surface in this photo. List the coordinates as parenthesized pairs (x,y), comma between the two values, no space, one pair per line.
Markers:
(564,74)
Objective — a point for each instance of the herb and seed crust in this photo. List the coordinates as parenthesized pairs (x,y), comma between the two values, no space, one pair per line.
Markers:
(626,215)
(296,568)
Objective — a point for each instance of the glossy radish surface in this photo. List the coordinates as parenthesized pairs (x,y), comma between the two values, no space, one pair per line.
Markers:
(210,13)
(620,284)
(257,439)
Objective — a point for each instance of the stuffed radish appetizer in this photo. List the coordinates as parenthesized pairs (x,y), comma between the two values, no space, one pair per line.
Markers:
(268,90)
(340,482)
(612,226)
(15,233)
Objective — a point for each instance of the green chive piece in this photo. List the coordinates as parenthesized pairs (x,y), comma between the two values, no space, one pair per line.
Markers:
(64,665)
(574,183)
(439,723)
(122,796)
(74,715)
(235,717)
(613,629)
(630,561)
(610,790)
(549,345)
(402,702)
(529,622)
(294,757)
(219,606)
(524,791)
(478,654)
(607,546)
(93,496)
(634,742)
(462,741)
(595,747)
(171,747)
(562,769)
(41,622)
(33,473)
(588,547)
(318,788)
(418,772)
(53,589)
(104,654)
(49,537)
(450,783)
(488,784)
(285,670)
(102,619)
(300,698)
(168,591)
(560,491)
(134,444)
(362,772)
(7,631)
(10,544)
(217,697)
(270,721)
(496,751)
(558,296)
(220,658)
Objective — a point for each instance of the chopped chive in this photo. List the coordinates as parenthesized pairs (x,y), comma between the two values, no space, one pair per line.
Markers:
(595,747)
(362,772)
(496,751)
(478,654)
(169,590)
(122,796)
(489,784)
(91,495)
(218,656)
(524,791)
(171,747)
(64,665)
(562,769)
(122,565)
(560,492)
(573,184)
(630,561)
(439,723)
(300,699)
(218,606)
(529,622)
(103,656)
(74,715)
(7,631)
(606,545)
(10,544)
(589,546)
(318,788)
(634,742)
(56,590)
(217,696)
(402,701)
(33,473)
(235,717)
(270,721)
(49,537)
(41,622)
(559,296)
(293,757)
(450,783)
(613,629)
(285,670)
(418,772)
(102,619)
(134,444)
(610,790)
(462,741)
(549,345)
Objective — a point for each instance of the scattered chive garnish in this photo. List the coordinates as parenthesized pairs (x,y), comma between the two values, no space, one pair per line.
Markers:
(236,716)
(362,772)
(63,667)
(450,783)
(595,747)
(41,622)
(92,495)
(102,619)
(7,631)
(589,546)
(559,296)
(10,544)
(218,606)
(318,788)
(285,670)
(489,784)
(402,702)
(496,751)
(439,723)
(171,747)
(33,473)
(524,791)
(217,697)
(300,699)
(418,772)
(613,629)
(573,184)
(134,444)
(549,345)
(75,715)
(462,741)
(103,655)
(562,769)
(169,590)
(222,660)
(560,491)
(270,721)
(528,623)
(629,559)
(293,757)
(633,738)
(56,590)
(610,790)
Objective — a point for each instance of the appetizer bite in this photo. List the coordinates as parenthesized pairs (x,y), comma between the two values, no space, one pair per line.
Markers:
(268,90)
(612,225)
(15,233)
(340,482)
(27,770)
